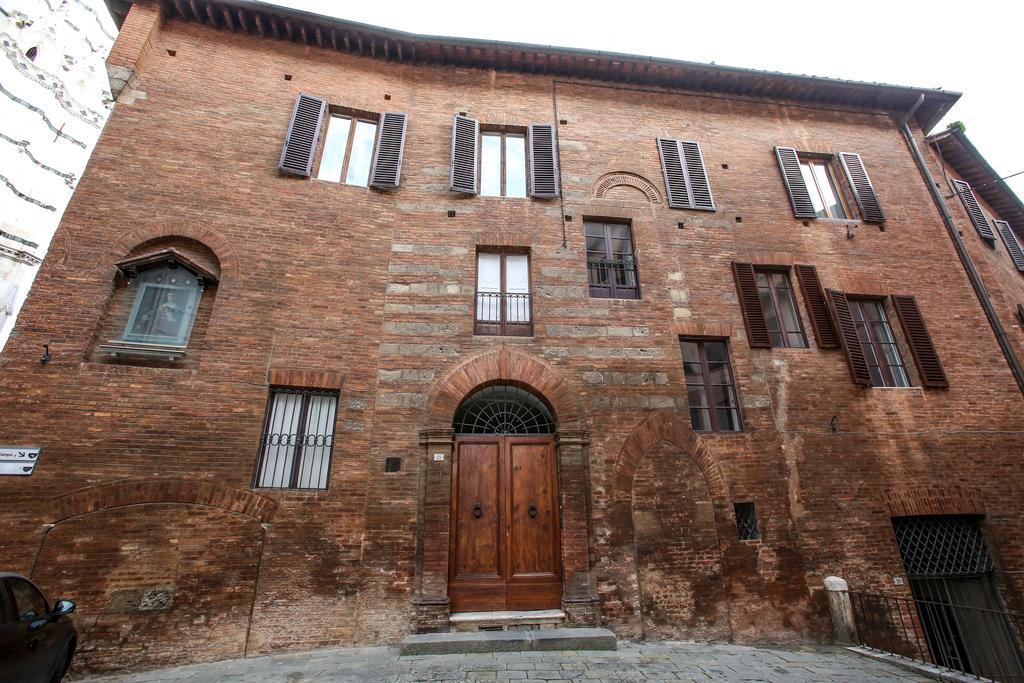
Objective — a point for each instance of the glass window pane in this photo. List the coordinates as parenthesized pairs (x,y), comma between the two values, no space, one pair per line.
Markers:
(829,194)
(334,149)
(362,152)
(279,440)
(619,231)
(700,419)
(165,306)
(28,602)
(690,352)
(796,340)
(718,373)
(692,374)
(593,230)
(812,189)
(728,419)
(696,397)
(768,308)
(715,352)
(490,165)
(596,244)
(515,166)
(899,375)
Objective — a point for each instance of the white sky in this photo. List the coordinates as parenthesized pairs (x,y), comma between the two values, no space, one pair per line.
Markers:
(970,47)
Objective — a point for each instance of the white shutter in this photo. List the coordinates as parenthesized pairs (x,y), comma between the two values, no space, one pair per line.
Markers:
(517,281)
(488,281)
(279,451)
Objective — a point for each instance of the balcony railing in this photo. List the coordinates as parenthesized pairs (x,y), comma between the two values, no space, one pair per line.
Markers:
(613,279)
(981,642)
(500,313)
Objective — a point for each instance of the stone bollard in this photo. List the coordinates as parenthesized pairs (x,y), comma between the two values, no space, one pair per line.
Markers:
(842,611)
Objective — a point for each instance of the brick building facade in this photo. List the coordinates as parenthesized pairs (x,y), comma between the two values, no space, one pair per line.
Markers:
(156,503)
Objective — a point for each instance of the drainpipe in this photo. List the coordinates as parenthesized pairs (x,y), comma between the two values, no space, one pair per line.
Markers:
(961,251)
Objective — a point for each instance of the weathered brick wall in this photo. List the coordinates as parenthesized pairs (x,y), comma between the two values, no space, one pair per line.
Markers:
(378,288)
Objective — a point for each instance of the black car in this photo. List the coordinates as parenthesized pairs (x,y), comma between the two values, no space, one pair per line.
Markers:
(36,642)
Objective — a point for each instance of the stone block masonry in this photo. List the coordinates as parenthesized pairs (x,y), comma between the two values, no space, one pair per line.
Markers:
(143,501)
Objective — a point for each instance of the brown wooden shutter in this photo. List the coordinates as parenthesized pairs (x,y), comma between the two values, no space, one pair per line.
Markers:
(974,210)
(863,190)
(799,197)
(1012,244)
(387,159)
(843,320)
(543,161)
(1020,313)
(303,134)
(686,178)
(919,341)
(465,134)
(750,304)
(817,307)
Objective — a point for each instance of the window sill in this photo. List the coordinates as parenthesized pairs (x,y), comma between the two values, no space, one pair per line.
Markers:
(122,348)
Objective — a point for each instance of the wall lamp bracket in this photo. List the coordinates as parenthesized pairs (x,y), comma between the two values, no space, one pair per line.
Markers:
(833,426)
(47,356)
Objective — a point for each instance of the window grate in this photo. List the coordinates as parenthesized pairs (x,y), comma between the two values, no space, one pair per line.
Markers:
(298,439)
(392,465)
(942,545)
(503,409)
(746,521)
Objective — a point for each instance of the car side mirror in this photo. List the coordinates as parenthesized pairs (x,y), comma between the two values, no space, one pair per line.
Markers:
(62,608)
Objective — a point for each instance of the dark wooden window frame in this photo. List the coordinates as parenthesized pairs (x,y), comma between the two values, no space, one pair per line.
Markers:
(613,289)
(828,161)
(307,393)
(705,373)
(874,345)
(784,271)
(503,132)
(504,327)
(355,115)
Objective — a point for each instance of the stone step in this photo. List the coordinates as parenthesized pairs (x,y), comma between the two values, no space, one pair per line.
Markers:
(507,620)
(508,641)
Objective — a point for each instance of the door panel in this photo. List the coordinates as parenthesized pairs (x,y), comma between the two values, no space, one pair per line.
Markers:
(505,558)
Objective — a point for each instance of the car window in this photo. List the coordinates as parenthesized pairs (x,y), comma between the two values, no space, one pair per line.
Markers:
(6,613)
(29,602)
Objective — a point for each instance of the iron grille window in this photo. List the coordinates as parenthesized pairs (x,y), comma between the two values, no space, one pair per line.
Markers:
(503,409)
(611,263)
(780,311)
(298,439)
(746,521)
(710,387)
(880,350)
(392,465)
(942,545)
(503,305)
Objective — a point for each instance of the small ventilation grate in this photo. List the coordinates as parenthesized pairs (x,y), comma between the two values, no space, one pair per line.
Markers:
(392,464)
(746,521)
(942,545)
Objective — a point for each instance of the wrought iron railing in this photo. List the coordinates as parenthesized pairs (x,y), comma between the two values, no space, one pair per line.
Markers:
(502,313)
(613,279)
(984,643)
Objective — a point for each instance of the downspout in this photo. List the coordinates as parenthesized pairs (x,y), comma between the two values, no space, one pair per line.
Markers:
(961,250)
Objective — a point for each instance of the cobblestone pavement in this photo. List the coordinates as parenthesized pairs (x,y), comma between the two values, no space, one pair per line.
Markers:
(632,662)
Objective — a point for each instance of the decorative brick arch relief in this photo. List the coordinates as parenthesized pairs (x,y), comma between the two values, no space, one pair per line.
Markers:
(140,491)
(610,180)
(510,366)
(937,499)
(209,237)
(665,427)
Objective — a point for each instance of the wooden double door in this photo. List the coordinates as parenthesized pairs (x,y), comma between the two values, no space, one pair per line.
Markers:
(505,552)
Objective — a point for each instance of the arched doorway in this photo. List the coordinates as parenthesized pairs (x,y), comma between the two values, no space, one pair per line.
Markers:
(505,548)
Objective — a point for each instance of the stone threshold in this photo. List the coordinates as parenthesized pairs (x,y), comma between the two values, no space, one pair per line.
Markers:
(937,673)
(506,620)
(508,641)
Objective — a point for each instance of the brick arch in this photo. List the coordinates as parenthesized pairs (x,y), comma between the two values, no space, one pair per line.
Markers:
(610,180)
(209,237)
(933,499)
(141,491)
(658,428)
(504,365)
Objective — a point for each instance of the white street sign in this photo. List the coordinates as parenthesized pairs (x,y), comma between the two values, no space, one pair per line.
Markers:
(18,461)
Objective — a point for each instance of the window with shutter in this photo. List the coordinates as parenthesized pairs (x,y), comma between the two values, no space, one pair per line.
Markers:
(387,160)
(919,341)
(977,216)
(543,161)
(863,190)
(848,334)
(348,149)
(1013,247)
(750,304)
(465,132)
(817,307)
(502,163)
(686,178)
(303,136)
(796,186)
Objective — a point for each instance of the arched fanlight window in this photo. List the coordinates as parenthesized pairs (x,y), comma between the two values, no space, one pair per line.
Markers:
(31,53)
(503,409)
(165,289)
